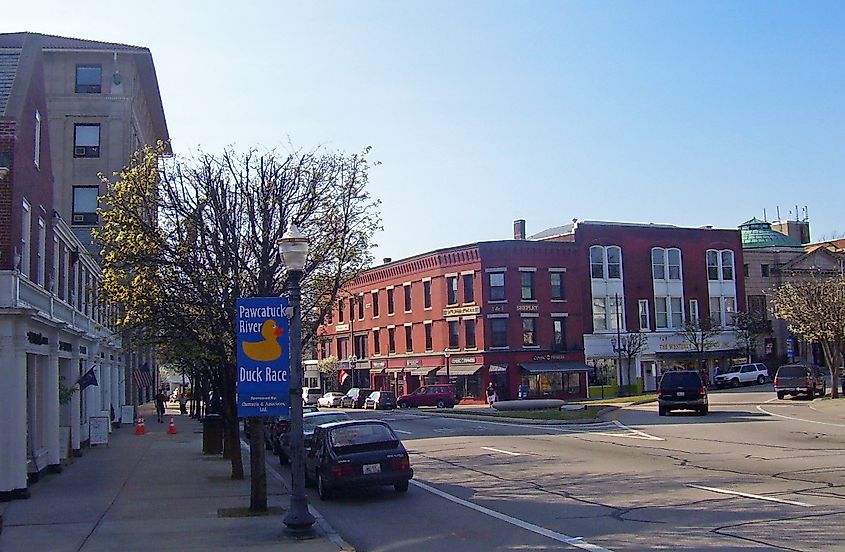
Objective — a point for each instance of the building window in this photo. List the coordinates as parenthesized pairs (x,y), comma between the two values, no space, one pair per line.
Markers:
(89,79)
(658,264)
(375,304)
(606,262)
(723,310)
(669,312)
(764,270)
(757,305)
(666,263)
(407,297)
(661,313)
(26,239)
(37,138)
(376,342)
(86,140)
(409,339)
(360,302)
(693,311)
(391,340)
(340,305)
(677,305)
(454,334)
(342,351)
(720,265)
(674,257)
(526,280)
(727,265)
(745,270)
(427,294)
(469,288)
(429,341)
(390,305)
(41,252)
(360,346)
(645,323)
(497,286)
(85,201)
(599,313)
(716,310)
(559,334)
(730,310)
(451,290)
(469,333)
(351,308)
(558,291)
(608,313)
(499,332)
(529,332)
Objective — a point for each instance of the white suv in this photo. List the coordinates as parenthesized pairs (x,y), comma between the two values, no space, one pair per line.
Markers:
(743,374)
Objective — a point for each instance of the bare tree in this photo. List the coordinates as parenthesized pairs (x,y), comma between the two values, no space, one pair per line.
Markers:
(631,344)
(815,310)
(750,327)
(701,334)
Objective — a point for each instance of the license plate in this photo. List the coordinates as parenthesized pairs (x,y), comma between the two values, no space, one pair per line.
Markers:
(681,393)
(372,468)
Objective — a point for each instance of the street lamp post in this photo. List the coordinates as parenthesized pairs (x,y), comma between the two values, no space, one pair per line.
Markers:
(294,249)
(446,355)
(618,348)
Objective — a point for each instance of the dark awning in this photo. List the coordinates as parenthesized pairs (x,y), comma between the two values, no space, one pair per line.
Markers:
(694,355)
(460,370)
(544,367)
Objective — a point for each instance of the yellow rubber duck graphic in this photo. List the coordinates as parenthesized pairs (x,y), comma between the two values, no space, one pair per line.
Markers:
(269,349)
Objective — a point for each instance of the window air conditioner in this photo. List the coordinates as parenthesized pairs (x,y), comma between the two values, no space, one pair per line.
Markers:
(79,151)
(78,218)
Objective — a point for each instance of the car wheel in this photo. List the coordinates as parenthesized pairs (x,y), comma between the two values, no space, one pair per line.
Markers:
(761,380)
(324,493)
(735,382)
(703,411)
(403,404)
(401,487)
(441,404)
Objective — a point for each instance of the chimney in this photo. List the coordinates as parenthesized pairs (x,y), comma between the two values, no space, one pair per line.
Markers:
(519,229)
(386,260)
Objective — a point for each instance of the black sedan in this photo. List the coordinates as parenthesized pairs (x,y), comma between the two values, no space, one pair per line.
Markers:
(309,422)
(360,453)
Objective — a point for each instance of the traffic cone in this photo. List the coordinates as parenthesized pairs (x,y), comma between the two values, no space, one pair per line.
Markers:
(172,429)
(139,426)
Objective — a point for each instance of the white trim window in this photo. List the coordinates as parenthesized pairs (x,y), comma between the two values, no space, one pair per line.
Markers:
(607,313)
(666,263)
(526,281)
(645,322)
(37,139)
(693,311)
(720,265)
(41,254)
(723,311)
(26,238)
(606,262)
(668,313)
(497,286)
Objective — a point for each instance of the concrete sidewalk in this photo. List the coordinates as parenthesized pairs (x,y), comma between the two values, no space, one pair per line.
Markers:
(156,491)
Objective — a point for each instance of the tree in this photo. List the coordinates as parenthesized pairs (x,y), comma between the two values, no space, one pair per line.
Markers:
(815,310)
(184,238)
(750,327)
(631,345)
(701,335)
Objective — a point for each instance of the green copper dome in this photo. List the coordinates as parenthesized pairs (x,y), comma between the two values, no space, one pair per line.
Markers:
(757,233)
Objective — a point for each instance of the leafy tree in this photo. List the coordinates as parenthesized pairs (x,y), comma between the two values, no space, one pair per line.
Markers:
(815,310)
(184,238)
(750,327)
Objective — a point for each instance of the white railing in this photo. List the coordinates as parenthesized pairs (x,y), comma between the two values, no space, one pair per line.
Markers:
(17,292)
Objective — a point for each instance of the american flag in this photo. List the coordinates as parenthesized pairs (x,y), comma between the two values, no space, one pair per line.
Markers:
(143,376)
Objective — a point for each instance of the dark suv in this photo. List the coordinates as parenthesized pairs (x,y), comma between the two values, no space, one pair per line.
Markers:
(682,390)
(803,379)
(355,397)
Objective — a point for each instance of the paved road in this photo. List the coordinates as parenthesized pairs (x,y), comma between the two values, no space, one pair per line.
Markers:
(756,474)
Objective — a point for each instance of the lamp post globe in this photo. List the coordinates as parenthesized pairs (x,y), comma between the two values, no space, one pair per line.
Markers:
(294,251)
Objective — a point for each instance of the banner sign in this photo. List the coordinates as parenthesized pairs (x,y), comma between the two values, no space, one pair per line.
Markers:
(263,377)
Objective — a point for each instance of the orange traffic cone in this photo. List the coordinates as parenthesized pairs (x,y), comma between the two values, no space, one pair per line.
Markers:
(139,427)
(172,429)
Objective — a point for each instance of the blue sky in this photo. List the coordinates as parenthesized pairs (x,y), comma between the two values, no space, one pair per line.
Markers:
(686,113)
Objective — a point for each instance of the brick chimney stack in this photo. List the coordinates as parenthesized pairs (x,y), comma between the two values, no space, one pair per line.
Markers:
(519,229)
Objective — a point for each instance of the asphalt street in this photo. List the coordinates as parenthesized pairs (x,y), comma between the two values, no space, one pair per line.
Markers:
(755,474)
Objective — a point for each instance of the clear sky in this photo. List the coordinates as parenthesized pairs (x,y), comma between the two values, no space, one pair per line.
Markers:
(686,113)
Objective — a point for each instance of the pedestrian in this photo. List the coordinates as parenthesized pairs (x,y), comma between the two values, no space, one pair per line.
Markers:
(523,390)
(183,403)
(160,399)
(491,393)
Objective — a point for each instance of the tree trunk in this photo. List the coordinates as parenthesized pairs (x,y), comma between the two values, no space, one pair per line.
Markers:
(258,472)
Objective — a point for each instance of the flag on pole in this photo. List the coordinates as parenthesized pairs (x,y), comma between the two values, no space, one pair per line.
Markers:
(342,377)
(143,376)
(88,378)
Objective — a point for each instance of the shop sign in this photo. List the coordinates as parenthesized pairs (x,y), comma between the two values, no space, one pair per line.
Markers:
(412,363)
(497,308)
(541,358)
(463,360)
(675,347)
(341,328)
(379,364)
(263,371)
(527,308)
(461,311)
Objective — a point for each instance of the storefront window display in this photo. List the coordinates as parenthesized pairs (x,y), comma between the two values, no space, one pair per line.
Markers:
(467,386)
(553,383)
(603,372)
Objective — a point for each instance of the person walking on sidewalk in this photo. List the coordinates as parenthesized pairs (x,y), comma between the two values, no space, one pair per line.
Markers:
(160,399)
(183,403)
(491,393)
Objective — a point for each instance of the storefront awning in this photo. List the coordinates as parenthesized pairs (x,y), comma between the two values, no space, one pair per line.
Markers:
(393,370)
(498,368)
(460,370)
(544,367)
(694,355)
(421,370)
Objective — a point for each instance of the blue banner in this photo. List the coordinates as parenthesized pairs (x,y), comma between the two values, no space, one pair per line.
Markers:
(263,376)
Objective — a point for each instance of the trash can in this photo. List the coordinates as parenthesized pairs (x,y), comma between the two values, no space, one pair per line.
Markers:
(212,434)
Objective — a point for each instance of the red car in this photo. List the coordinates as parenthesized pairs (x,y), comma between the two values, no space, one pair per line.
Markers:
(439,395)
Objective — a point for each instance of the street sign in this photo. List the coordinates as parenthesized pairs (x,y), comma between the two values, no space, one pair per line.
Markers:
(263,371)
(790,352)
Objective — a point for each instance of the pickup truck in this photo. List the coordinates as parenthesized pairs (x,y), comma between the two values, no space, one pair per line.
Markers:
(795,379)
(743,374)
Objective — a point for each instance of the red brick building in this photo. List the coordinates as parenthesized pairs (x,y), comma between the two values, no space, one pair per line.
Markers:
(502,311)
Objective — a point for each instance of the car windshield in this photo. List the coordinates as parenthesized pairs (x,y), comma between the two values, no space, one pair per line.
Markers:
(685,379)
(361,434)
(792,372)
(310,422)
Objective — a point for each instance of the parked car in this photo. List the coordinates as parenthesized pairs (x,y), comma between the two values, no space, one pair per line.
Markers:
(309,422)
(310,395)
(358,453)
(439,395)
(682,390)
(355,397)
(381,400)
(800,379)
(743,374)
(274,426)
(330,400)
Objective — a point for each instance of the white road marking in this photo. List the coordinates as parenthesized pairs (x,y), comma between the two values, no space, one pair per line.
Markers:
(577,542)
(402,431)
(749,495)
(642,434)
(764,411)
(502,451)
